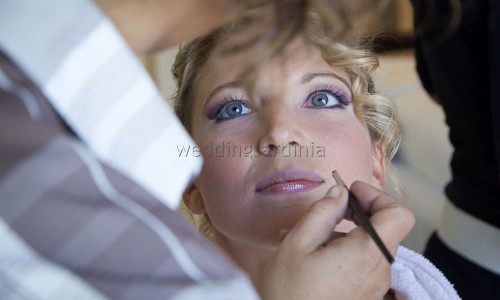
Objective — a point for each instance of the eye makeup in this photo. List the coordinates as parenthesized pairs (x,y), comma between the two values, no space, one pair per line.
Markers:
(363,219)
(340,95)
(338,90)
(214,110)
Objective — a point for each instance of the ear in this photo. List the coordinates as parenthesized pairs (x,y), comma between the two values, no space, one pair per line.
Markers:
(379,166)
(193,199)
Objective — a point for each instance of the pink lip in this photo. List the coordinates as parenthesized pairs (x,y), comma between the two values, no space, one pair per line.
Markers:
(292,180)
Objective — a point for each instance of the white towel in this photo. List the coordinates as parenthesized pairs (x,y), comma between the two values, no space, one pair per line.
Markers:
(413,277)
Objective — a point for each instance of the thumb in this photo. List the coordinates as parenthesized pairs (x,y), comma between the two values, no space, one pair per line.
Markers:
(316,226)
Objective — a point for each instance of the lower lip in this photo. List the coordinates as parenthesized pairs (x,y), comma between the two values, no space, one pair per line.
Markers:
(289,187)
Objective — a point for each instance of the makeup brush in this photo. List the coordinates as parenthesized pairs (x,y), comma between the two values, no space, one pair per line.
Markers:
(363,218)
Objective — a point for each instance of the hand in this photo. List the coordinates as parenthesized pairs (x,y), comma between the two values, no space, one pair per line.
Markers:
(309,265)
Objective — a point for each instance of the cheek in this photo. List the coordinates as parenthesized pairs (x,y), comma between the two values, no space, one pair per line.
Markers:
(222,180)
(221,175)
(348,149)
(226,161)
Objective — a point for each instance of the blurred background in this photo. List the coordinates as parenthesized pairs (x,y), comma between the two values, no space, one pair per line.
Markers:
(422,161)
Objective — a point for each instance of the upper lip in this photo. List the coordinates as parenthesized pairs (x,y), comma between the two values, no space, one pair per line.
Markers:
(287,175)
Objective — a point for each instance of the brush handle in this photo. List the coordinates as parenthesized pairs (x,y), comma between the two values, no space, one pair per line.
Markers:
(363,218)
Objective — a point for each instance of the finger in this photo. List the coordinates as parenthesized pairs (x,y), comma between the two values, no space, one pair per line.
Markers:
(390,218)
(283,233)
(315,227)
(335,235)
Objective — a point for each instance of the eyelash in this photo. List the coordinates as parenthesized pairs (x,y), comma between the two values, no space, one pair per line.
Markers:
(327,88)
(218,108)
(343,99)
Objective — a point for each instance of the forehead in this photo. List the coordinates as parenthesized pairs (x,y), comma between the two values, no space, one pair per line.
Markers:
(298,58)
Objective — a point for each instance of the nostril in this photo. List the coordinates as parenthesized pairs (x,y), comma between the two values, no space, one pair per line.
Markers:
(268,148)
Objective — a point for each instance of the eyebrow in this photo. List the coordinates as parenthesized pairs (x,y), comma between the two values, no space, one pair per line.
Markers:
(306,78)
(310,76)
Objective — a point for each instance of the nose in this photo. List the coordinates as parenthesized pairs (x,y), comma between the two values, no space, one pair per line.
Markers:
(280,127)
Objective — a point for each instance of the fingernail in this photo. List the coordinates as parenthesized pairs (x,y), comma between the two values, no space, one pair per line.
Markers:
(334,191)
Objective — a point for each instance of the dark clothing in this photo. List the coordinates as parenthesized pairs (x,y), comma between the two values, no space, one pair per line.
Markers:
(461,66)
(470,281)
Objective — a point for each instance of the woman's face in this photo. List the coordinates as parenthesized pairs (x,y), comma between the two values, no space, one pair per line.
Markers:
(269,156)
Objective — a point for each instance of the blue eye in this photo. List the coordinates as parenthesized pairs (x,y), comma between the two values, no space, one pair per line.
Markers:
(326,98)
(231,110)
(322,99)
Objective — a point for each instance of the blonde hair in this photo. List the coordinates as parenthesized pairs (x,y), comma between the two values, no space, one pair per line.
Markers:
(377,112)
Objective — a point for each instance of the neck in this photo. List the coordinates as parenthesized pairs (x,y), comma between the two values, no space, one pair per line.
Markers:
(249,258)
(152,25)
(128,18)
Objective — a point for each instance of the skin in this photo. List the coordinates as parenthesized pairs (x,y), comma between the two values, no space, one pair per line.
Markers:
(153,25)
(280,113)
(297,269)
(334,269)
